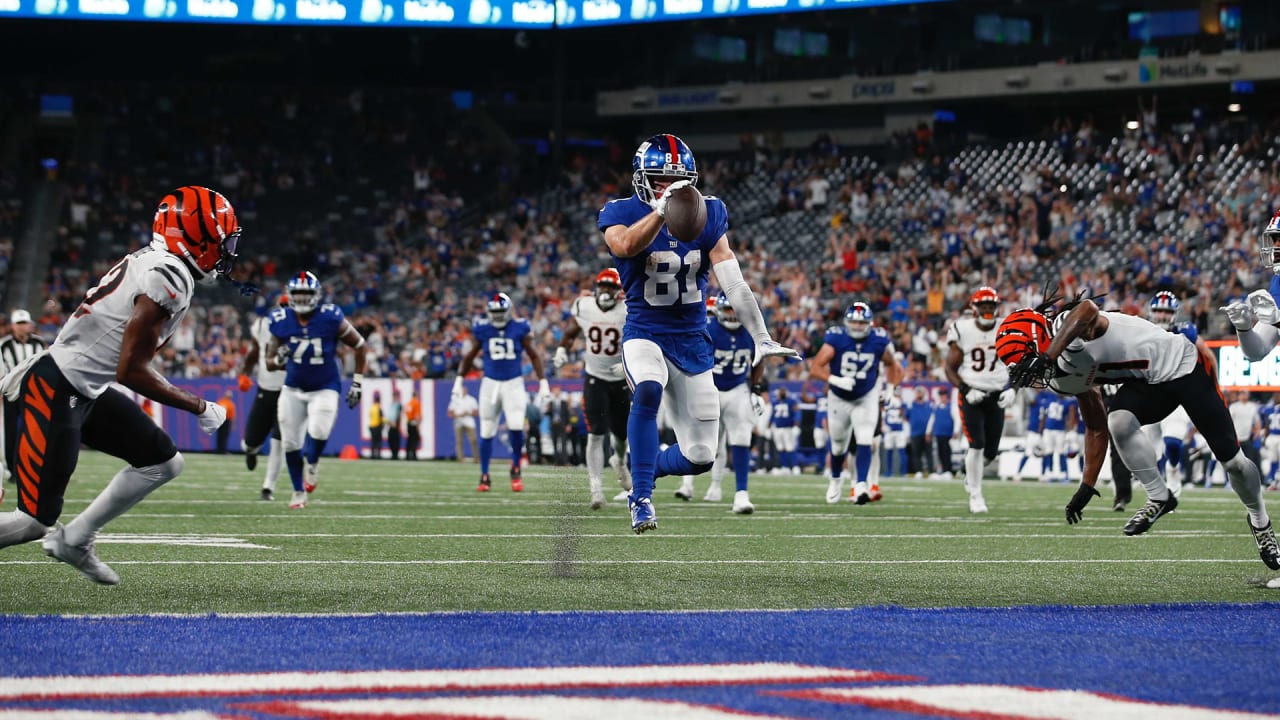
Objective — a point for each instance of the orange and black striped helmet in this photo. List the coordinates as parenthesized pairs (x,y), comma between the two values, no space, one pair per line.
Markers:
(198,225)
(1024,332)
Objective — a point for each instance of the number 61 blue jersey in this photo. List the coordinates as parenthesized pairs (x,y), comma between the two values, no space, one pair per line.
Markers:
(665,282)
(501,347)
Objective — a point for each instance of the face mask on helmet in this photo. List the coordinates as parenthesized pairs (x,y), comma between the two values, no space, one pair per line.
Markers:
(727,316)
(499,310)
(1022,336)
(658,162)
(199,226)
(304,293)
(607,295)
(1270,247)
(984,314)
(857,319)
(1162,318)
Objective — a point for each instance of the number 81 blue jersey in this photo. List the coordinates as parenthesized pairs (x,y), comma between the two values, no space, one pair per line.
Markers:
(665,282)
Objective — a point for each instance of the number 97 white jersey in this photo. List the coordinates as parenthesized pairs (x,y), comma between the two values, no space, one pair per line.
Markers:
(602,336)
(981,367)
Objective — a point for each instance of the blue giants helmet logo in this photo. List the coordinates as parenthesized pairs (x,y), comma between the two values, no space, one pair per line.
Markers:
(661,156)
(499,310)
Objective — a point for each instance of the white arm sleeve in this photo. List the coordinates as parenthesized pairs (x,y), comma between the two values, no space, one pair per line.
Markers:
(1257,342)
(729,275)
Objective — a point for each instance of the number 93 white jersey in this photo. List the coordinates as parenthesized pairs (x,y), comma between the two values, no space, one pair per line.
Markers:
(87,350)
(980,368)
(602,336)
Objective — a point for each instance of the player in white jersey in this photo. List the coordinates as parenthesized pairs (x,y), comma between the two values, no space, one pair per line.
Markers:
(1157,371)
(64,397)
(262,415)
(982,382)
(606,399)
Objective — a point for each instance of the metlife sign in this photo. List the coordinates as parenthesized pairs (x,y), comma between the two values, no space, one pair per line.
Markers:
(457,13)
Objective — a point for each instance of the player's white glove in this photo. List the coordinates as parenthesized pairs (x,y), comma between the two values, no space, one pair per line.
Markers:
(212,417)
(889,397)
(1264,307)
(841,382)
(282,354)
(1007,397)
(617,368)
(560,358)
(757,405)
(1240,315)
(353,392)
(975,396)
(659,204)
(458,390)
(772,348)
(544,393)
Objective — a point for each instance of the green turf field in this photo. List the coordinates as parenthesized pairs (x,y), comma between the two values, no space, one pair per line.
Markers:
(399,536)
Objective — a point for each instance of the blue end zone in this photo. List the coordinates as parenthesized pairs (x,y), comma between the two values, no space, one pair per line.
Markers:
(1219,656)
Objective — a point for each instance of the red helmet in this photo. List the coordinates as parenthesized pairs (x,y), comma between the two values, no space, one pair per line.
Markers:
(608,287)
(985,303)
(198,225)
(1023,336)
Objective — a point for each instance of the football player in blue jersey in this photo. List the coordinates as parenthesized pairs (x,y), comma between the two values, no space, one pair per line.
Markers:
(849,361)
(501,339)
(732,375)
(1032,445)
(665,340)
(785,433)
(304,343)
(1256,318)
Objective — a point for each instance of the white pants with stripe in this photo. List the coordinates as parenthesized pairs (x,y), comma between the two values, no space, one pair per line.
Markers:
(692,401)
(305,412)
(506,397)
(852,421)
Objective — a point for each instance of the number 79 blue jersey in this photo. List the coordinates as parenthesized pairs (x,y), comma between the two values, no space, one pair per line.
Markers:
(665,283)
(313,357)
(857,359)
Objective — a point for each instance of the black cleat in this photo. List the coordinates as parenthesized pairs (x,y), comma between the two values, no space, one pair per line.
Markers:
(1147,516)
(266,495)
(251,460)
(1120,505)
(1268,549)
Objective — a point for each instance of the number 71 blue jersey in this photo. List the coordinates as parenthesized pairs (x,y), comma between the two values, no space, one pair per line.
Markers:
(313,357)
(857,359)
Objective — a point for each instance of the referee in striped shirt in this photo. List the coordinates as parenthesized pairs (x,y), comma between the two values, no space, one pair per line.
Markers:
(20,344)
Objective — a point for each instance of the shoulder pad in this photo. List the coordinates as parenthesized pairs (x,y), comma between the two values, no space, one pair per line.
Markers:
(836,330)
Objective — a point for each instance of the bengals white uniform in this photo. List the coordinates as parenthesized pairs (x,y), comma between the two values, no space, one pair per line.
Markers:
(602,335)
(87,350)
(981,367)
(271,380)
(1130,349)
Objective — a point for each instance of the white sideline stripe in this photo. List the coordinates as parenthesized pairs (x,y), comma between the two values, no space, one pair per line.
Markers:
(1029,561)
(185,540)
(999,701)
(422,680)
(515,707)
(1066,534)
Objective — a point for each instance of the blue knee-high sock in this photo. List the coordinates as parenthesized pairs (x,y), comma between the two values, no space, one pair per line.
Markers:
(293,459)
(642,436)
(1022,463)
(902,461)
(862,461)
(517,447)
(673,462)
(837,463)
(1046,463)
(486,452)
(311,449)
(741,455)
(1062,464)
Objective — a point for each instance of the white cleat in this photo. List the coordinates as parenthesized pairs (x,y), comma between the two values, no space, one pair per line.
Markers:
(685,492)
(310,476)
(298,501)
(835,489)
(622,496)
(742,503)
(597,500)
(977,504)
(713,493)
(80,557)
(624,473)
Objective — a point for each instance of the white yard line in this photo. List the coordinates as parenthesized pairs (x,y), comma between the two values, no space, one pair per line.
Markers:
(965,561)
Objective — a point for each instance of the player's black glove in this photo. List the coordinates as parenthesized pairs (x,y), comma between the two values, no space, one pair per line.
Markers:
(1075,508)
(353,394)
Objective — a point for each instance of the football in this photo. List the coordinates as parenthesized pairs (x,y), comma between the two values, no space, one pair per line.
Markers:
(686,214)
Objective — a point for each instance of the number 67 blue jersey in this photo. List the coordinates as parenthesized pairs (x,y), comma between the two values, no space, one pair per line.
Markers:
(857,358)
(665,283)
